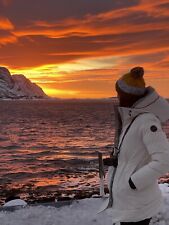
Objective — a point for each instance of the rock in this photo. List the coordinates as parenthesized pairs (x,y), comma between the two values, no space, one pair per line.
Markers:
(15,202)
(18,87)
(6,77)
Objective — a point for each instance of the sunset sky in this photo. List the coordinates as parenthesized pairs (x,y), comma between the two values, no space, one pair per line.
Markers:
(78,48)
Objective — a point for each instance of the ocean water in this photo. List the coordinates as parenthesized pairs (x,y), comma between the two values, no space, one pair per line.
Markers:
(48,149)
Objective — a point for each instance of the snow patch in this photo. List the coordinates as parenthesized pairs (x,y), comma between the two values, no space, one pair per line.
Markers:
(83,212)
(15,202)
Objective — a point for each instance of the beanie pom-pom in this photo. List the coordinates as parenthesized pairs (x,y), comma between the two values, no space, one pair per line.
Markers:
(137,72)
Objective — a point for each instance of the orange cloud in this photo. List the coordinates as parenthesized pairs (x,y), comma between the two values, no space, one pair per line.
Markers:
(7,40)
(102,24)
(5,24)
(154,8)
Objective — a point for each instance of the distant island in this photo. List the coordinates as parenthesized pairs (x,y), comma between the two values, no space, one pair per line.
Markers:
(18,87)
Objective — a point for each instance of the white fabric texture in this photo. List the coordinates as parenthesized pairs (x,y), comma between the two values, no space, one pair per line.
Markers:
(130,89)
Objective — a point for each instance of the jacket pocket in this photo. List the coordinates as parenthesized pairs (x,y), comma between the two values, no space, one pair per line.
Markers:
(127,176)
(131,184)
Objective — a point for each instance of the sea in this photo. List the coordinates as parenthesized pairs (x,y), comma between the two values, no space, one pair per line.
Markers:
(49,148)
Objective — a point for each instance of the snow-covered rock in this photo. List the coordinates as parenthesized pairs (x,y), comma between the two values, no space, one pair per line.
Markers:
(5,77)
(18,86)
(15,202)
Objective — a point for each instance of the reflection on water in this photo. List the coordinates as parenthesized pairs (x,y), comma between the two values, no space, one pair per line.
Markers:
(49,148)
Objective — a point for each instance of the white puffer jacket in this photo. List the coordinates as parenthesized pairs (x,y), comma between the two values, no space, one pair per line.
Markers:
(144,156)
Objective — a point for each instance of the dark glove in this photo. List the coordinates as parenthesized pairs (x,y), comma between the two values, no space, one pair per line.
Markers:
(112,161)
(132,185)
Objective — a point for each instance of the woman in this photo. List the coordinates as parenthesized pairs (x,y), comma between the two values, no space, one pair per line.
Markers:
(144,151)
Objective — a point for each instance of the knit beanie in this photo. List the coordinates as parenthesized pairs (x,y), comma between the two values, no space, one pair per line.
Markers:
(132,83)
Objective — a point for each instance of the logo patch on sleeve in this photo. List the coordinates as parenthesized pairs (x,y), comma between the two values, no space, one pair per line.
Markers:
(153,128)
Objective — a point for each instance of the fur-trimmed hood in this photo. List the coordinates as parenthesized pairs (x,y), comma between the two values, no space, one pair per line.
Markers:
(151,103)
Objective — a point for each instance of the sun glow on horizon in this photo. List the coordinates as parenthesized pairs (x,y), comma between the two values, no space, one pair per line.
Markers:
(37,71)
(60,93)
(69,80)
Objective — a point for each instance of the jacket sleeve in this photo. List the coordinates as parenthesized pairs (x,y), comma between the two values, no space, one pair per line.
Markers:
(157,146)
